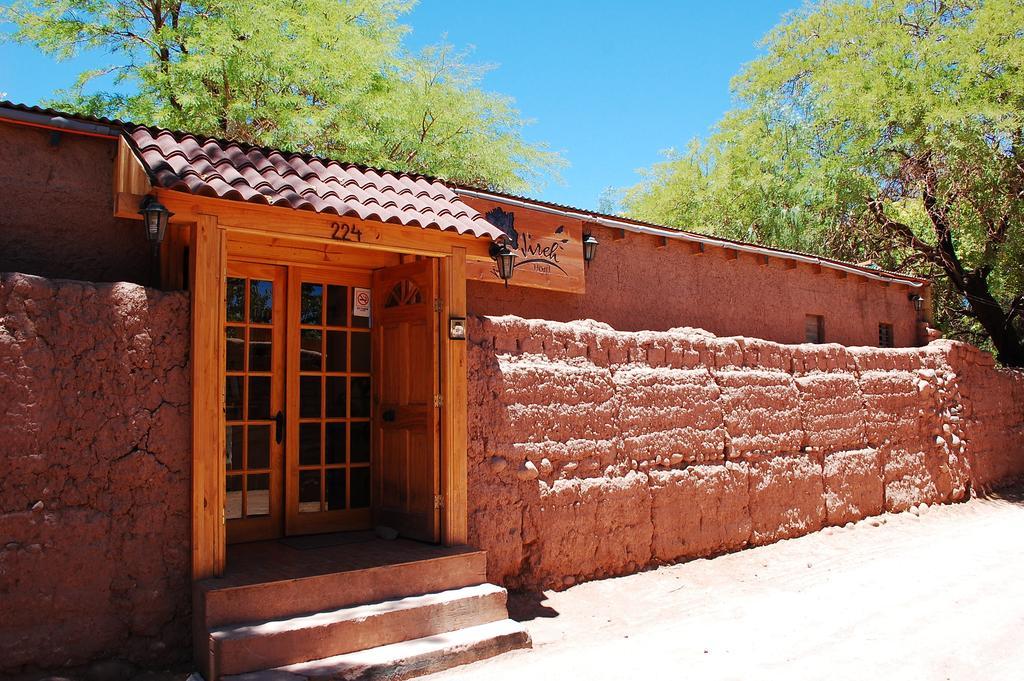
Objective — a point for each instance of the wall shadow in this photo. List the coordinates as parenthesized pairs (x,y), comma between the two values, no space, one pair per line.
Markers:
(1013,493)
(524,606)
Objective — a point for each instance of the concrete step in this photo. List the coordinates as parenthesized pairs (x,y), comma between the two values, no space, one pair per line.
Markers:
(222,601)
(406,659)
(236,649)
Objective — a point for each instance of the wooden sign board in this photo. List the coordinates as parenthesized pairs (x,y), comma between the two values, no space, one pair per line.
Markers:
(548,248)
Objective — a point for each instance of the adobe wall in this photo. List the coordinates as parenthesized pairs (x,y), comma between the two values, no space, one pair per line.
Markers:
(95,493)
(56,209)
(634,285)
(596,452)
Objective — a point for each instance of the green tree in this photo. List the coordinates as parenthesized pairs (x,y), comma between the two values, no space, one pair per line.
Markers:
(328,77)
(879,129)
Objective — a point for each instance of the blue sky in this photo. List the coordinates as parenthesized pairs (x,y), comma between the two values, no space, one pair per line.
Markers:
(609,84)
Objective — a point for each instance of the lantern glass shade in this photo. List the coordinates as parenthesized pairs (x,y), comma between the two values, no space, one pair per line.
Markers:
(918,302)
(155,217)
(589,247)
(505,260)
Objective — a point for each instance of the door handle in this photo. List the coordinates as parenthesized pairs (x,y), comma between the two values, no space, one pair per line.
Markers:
(279,427)
(388,415)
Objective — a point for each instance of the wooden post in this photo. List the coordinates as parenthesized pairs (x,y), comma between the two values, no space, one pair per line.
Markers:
(454,465)
(207,263)
(172,258)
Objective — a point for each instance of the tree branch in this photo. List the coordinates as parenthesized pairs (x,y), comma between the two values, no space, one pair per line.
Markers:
(903,231)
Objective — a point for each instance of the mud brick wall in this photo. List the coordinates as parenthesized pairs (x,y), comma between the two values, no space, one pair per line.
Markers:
(52,189)
(94,473)
(595,452)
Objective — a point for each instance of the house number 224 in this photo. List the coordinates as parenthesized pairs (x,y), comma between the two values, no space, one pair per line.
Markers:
(345,232)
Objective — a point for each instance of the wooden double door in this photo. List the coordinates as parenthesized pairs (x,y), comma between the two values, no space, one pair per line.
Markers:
(330,410)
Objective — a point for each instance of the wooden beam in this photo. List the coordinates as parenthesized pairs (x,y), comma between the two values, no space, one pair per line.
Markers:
(454,386)
(129,175)
(284,251)
(126,205)
(307,226)
(790,264)
(618,234)
(207,262)
(696,247)
(323,228)
(662,243)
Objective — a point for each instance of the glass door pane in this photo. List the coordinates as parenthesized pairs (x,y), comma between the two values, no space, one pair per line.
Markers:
(331,463)
(253,393)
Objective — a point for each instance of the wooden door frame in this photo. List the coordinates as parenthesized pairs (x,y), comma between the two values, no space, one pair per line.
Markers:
(209,222)
(454,392)
(207,286)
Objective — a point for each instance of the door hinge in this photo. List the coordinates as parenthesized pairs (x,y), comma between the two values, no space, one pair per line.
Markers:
(438,400)
(437,305)
(438,501)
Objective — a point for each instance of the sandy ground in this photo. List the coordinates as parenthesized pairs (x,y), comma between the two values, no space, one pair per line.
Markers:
(938,595)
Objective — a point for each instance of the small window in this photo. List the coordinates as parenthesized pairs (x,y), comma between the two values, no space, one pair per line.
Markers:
(814,329)
(403,293)
(885,336)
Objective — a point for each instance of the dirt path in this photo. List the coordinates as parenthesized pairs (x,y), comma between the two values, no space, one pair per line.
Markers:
(935,596)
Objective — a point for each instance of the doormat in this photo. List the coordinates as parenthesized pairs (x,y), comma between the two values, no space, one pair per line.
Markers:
(319,541)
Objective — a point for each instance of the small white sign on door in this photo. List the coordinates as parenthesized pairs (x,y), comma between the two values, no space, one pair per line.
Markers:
(360,302)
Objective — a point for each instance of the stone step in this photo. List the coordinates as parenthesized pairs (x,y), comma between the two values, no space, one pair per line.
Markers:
(222,601)
(406,659)
(236,649)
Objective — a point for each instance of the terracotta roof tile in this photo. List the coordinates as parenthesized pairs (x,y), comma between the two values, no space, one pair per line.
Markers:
(230,170)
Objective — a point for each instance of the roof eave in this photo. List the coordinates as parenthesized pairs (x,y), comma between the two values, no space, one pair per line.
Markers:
(638,227)
(54,121)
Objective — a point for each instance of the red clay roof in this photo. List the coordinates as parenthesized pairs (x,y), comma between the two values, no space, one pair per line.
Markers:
(231,170)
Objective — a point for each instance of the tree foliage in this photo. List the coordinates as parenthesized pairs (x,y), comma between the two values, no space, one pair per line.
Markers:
(876,129)
(328,77)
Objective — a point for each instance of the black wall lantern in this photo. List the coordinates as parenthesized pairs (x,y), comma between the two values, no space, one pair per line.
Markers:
(505,259)
(589,247)
(155,217)
(917,300)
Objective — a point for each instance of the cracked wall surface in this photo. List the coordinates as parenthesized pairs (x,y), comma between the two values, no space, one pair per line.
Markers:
(595,452)
(95,493)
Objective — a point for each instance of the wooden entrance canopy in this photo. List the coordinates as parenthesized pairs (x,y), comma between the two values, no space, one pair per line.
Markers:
(232,200)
